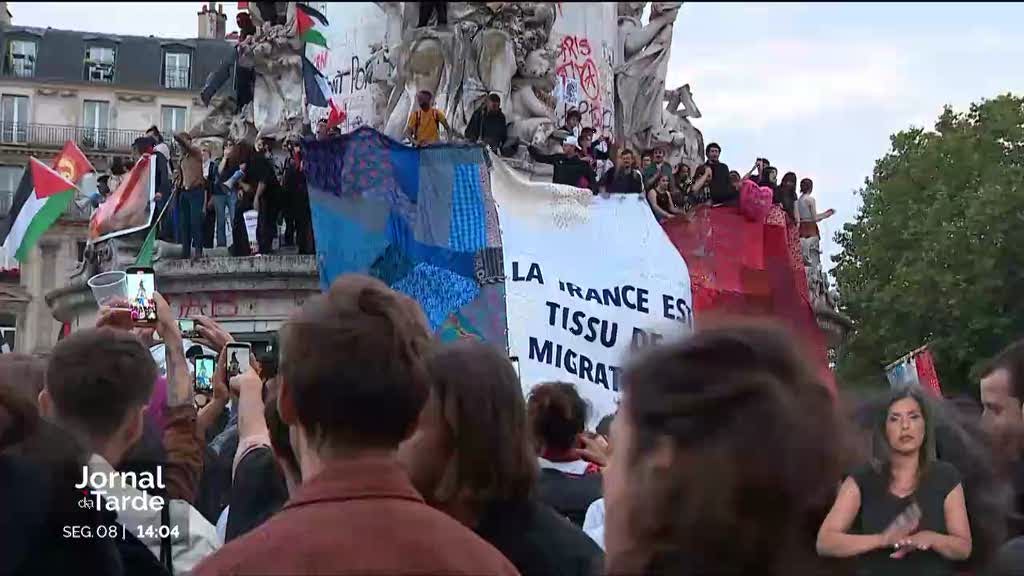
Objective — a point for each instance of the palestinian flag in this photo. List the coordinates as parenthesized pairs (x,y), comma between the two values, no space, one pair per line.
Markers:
(318,91)
(42,197)
(310,23)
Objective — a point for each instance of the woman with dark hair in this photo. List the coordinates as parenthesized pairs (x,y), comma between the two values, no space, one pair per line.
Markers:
(471,457)
(785,195)
(724,459)
(659,198)
(557,416)
(905,512)
(681,181)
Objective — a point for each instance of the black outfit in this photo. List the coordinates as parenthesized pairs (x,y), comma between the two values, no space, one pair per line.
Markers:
(297,192)
(618,181)
(572,171)
(538,541)
(261,170)
(258,492)
(879,507)
(569,494)
(239,237)
(427,9)
(787,200)
(721,189)
(1016,525)
(488,127)
(166,230)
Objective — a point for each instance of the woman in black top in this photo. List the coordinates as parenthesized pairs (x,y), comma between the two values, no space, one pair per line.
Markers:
(681,181)
(785,195)
(659,197)
(471,457)
(904,513)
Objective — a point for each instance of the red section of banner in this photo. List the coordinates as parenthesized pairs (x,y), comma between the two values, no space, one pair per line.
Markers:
(927,377)
(748,268)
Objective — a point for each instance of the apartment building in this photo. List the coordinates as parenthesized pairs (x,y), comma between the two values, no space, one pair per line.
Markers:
(102,91)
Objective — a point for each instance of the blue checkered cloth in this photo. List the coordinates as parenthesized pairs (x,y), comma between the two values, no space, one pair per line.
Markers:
(468,225)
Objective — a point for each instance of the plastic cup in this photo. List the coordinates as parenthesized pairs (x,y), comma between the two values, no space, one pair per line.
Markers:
(110,288)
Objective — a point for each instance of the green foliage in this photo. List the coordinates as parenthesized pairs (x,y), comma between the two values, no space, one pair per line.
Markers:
(936,253)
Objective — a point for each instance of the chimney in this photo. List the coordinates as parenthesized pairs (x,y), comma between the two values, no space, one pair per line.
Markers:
(212,22)
(5,15)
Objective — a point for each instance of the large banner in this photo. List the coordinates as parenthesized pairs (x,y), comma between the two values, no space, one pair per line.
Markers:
(585,280)
(588,280)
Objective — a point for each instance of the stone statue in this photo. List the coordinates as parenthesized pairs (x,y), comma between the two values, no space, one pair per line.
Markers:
(685,142)
(640,73)
(492,47)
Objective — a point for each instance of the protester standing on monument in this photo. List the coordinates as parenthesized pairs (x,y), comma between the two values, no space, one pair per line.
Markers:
(573,119)
(809,216)
(568,483)
(1002,398)
(140,147)
(471,457)
(658,166)
(681,180)
(785,196)
(905,512)
(192,199)
(488,124)
(721,191)
(298,199)
(425,122)
(222,203)
(261,182)
(233,166)
(570,169)
(725,456)
(352,386)
(623,178)
(699,191)
(322,129)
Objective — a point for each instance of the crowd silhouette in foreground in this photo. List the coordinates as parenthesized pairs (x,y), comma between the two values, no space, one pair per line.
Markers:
(360,445)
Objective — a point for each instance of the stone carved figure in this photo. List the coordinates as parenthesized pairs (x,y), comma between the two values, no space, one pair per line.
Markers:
(685,142)
(641,70)
(490,47)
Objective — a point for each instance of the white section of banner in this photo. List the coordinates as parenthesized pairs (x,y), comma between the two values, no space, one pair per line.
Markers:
(587,279)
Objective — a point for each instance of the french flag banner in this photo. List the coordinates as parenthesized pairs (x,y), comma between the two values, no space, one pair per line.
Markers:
(915,369)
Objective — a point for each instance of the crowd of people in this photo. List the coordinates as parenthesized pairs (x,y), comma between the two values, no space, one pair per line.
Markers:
(361,445)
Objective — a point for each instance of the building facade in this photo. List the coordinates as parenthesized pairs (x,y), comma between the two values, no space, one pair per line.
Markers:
(102,91)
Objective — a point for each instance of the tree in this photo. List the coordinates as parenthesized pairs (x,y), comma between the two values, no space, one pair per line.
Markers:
(936,253)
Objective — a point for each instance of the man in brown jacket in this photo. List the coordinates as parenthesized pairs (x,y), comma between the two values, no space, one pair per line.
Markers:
(191,196)
(352,384)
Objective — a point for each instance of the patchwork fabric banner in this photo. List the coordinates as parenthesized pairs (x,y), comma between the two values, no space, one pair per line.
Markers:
(750,268)
(588,281)
(420,219)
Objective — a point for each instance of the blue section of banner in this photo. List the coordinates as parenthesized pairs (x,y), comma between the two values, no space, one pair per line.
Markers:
(414,218)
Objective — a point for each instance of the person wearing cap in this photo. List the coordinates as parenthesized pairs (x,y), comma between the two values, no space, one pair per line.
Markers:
(570,168)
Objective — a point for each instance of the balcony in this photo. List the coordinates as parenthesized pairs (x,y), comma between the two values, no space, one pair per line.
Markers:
(51,136)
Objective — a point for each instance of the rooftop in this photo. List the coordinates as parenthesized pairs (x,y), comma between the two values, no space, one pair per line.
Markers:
(138,61)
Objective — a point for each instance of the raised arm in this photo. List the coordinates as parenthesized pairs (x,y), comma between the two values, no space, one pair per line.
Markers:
(539,156)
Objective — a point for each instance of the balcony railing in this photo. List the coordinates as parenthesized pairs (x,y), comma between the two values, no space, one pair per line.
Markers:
(50,135)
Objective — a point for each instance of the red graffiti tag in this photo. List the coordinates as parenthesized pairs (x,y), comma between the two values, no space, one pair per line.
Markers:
(582,81)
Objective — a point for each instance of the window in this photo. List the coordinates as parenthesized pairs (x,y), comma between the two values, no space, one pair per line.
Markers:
(95,121)
(13,119)
(177,70)
(10,177)
(99,64)
(21,58)
(172,120)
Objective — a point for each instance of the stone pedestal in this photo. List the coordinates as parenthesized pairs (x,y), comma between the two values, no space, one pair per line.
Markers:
(247,295)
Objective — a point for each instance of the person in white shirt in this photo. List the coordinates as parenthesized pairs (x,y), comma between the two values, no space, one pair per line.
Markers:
(98,386)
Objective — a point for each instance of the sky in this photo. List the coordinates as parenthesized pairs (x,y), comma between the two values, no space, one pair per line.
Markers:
(817,88)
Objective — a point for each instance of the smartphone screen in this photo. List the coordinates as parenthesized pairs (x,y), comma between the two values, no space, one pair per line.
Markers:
(203,381)
(187,327)
(238,358)
(140,295)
